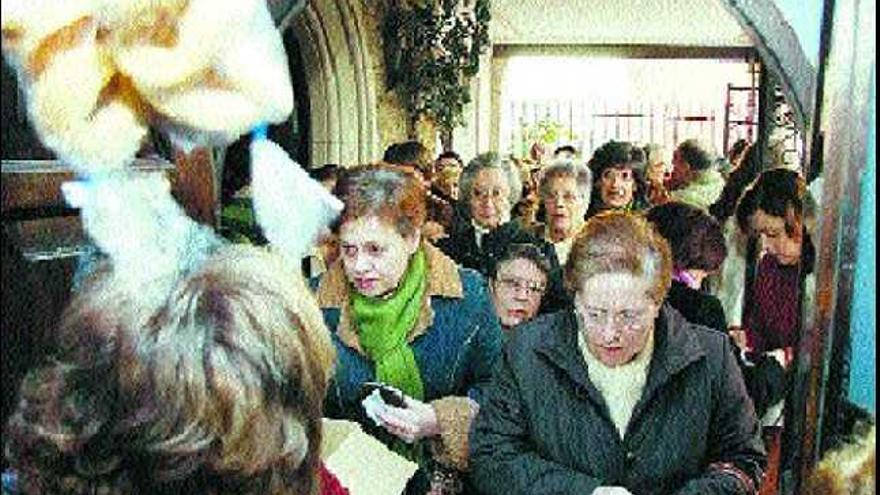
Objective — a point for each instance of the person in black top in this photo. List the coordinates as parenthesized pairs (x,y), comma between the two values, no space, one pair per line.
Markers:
(697,244)
(698,250)
(490,186)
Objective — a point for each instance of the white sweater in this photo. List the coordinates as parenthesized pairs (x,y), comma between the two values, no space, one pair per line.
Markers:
(620,386)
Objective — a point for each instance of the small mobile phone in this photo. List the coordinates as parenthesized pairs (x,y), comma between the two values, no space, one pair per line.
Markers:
(390,396)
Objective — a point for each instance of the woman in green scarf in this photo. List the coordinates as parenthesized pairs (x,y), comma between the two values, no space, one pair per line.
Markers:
(404,314)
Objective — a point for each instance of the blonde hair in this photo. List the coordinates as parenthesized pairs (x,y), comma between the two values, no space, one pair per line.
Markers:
(616,241)
(847,471)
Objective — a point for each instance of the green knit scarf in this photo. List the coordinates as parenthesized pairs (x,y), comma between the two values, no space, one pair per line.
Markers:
(383,324)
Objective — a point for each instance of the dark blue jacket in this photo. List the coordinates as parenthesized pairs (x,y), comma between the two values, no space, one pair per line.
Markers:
(456,352)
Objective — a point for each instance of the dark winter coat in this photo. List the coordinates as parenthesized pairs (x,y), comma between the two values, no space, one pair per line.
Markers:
(764,376)
(697,307)
(545,428)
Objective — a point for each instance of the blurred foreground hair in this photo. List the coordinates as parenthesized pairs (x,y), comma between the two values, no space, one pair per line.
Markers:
(847,471)
(217,389)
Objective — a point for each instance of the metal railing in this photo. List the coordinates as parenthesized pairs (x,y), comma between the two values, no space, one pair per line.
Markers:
(587,125)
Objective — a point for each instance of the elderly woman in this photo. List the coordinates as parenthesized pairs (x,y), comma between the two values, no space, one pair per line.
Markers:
(217,389)
(405,315)
(518,284)
(565,195)
(489,188)
(656,172)
(620,395)
(618,181)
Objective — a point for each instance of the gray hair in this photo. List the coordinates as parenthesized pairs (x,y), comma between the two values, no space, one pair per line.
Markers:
(654,153)
(567,168)
(489,160)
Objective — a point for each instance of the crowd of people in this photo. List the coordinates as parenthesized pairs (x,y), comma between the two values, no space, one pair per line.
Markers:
(578,327)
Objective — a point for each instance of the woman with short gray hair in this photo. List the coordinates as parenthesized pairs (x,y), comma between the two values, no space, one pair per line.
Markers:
(488,189)
(490,186)
(565,195)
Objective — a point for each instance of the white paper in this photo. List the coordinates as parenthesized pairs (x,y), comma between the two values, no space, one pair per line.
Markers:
(362,463)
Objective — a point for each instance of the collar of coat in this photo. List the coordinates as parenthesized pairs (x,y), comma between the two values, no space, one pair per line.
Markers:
(443,281)
(674,350)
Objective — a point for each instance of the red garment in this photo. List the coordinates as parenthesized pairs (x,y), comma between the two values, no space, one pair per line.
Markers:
(330,484)
(772,317)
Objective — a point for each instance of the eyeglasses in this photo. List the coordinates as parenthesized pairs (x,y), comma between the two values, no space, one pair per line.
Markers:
(529,287)
(629,319)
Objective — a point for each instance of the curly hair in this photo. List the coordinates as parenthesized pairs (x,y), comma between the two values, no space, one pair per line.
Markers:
(489,160)
(567,169)
(219,389)
(618,154)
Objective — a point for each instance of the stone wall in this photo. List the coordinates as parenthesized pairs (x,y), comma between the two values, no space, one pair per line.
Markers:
(390,115)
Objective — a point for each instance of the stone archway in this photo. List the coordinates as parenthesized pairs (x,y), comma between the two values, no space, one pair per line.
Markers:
(339,63)
(781,49)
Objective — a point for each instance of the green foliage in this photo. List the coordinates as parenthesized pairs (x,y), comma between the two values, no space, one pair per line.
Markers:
(544,131)
(432,50)
(238,223)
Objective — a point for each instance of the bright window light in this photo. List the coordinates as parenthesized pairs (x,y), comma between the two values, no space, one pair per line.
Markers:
(587,101)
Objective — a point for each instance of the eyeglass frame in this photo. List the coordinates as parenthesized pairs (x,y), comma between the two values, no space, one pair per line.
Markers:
(619,319)
(567,197)
(492,194)
(531,288)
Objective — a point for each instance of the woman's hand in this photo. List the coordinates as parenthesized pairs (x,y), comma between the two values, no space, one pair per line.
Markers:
(418,420)
(611,490)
